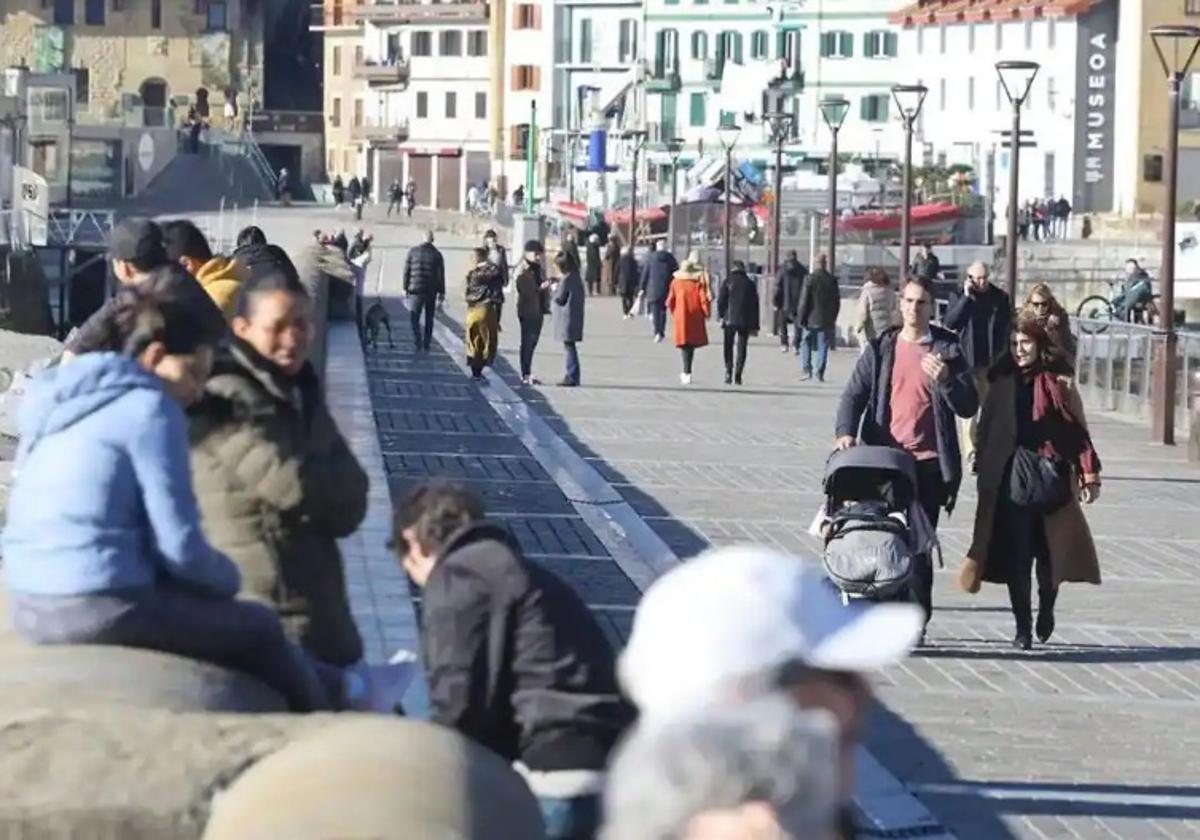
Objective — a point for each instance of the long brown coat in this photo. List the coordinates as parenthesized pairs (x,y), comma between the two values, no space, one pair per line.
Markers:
(608,269)
(1072,551)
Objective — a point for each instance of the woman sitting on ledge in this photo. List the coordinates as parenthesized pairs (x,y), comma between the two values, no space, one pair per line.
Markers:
(103,543)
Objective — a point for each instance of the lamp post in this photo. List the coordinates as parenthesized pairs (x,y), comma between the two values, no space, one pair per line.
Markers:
(637,138)
(780,125)
(728,133)
(1180,44)
(674,148)
(909,99)
(878,132)
(1016,77)
(833,111)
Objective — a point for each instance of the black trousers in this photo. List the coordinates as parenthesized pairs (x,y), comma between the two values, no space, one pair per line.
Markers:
(419,305)
(1019,537)
(658,312)
(783,333)
(627,303)
(741,336)
(931,493)
(689,356)
(531,331)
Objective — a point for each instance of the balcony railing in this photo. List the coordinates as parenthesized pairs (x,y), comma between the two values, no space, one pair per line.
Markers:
(413,11)
(790,80)
(662,78)
(383,131)
(388,73)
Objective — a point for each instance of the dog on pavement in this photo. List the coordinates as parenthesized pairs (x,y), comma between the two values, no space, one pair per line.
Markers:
(375,318)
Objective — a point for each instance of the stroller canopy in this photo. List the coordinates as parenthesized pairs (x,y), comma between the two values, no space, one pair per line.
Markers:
(892,472)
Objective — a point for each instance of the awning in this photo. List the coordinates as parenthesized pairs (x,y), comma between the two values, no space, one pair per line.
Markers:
(938,12)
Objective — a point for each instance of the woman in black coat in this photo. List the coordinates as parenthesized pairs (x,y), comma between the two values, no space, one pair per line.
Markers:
(629,276)
(594,264)
(737,307)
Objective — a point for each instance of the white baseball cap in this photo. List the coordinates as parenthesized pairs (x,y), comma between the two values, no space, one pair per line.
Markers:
(739,612)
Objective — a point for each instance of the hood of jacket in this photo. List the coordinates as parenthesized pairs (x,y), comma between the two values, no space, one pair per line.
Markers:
(62,396)
(244,377)
(479,532)
(221,277)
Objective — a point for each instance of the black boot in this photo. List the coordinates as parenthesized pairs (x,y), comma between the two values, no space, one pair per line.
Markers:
(728,378)
(1022,641)
(1045,617)
(1018,597)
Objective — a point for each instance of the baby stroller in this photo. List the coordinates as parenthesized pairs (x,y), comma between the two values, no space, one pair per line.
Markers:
(870,515)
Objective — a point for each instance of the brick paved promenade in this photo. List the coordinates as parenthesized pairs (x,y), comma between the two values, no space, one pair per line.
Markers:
(1091,736)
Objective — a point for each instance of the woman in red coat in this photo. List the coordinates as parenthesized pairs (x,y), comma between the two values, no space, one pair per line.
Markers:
(690,302)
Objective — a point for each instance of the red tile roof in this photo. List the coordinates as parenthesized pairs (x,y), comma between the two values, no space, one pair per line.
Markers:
(934,12)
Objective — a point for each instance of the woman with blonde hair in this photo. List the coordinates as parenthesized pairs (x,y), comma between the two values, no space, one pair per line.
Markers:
(1043,307)
(878,308)
(690,303)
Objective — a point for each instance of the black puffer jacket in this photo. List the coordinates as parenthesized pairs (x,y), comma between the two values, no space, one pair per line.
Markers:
(737,302)
(425,271)
(514,658)
(790,287)
(485,284)
(820,301)
(660,267)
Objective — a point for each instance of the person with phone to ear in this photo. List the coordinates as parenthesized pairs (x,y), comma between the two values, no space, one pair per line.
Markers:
(906,391)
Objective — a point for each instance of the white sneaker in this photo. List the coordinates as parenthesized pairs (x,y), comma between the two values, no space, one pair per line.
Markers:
(685,379)
(658,339)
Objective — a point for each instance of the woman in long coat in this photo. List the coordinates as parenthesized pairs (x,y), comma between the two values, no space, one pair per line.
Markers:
(568,314)
(1032,404)
(690,303)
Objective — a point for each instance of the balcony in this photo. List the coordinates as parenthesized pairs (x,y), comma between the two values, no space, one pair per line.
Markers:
(381,133)
(391,73)
(714,69)
(412,11)
(662,79)
(789,83)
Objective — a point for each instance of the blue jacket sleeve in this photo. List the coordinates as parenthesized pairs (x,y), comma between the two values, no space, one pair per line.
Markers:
(161,462)
(958,312)
(857,396)
(959,389)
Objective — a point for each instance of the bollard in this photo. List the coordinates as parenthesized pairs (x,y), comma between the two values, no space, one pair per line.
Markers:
(1194,417)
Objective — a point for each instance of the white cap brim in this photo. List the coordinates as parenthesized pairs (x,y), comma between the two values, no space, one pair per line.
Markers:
(870,638)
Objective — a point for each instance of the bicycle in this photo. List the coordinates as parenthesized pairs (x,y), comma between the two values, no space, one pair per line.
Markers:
(1097,311)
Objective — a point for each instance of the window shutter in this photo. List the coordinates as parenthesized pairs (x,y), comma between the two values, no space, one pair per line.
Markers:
(514,82)
(781,44)
(891,44)
(737,48)
(864,108)
(537,17)
(512,142)
(883,108)
(847,45)
(868,44)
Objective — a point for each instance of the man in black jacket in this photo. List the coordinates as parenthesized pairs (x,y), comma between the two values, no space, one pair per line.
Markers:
(787,300)
(927,266)
(737,307)
(425,285)
(628,279)
(660,267)
(820,302)
(982,317)
(513,657)
(906,390)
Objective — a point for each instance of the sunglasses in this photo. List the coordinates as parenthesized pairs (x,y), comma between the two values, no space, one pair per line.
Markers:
(1039,304)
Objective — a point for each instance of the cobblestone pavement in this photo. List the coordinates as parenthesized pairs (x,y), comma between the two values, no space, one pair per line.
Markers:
(1088,736)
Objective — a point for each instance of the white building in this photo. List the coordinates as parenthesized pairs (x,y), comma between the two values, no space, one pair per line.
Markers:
(428,112)
(956,47)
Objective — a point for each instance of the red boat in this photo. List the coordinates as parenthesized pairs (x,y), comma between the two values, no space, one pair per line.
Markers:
(928,221)
(576,212)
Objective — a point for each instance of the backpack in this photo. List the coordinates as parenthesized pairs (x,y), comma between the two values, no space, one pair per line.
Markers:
(868,551)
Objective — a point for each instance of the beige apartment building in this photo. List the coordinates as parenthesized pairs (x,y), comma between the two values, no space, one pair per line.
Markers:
(139,61)
(345,87)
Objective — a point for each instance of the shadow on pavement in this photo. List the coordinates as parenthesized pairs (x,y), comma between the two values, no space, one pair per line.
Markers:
(1066,653)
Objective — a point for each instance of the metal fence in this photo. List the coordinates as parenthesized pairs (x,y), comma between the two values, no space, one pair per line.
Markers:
(1114,367)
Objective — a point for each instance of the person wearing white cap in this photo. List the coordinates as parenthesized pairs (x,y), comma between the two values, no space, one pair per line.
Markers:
(738,623)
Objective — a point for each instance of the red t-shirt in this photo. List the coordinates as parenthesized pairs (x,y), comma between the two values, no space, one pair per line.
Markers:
(913,425)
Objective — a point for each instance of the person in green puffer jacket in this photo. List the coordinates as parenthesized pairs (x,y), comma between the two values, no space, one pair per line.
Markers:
(276,482)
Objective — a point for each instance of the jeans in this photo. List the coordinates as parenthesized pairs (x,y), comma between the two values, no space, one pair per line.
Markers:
(931,494)
(531,331)
(658,312)
(571,818)
(741,336)
(572,372)
(394,204)
(242,635)
(689,356)
(819,338)
(425,304)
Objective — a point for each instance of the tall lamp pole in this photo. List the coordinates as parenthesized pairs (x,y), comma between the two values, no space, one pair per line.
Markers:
(833,111)
(572,157)
(728,135)
(909,99)
(1179,44)
(780,125)
(637,138)
(674,148)
(1016,77)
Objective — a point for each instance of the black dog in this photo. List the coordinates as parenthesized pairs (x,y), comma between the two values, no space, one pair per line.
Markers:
(375,317)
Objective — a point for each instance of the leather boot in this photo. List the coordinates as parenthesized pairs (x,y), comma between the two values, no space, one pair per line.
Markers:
(1045,617)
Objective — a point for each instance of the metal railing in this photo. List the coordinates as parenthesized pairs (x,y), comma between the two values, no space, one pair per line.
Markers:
(1114,366)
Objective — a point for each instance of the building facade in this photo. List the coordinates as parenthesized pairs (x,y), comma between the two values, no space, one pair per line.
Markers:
(345,90)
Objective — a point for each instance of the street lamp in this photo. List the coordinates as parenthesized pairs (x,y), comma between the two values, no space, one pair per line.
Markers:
(728,133)
(572,157)
(1016,77)
(674,149)
(779,123)
(637,138)
(1180,43)
(909,99)
(833,111)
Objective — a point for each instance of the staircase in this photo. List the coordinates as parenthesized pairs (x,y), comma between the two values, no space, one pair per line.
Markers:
(193,183)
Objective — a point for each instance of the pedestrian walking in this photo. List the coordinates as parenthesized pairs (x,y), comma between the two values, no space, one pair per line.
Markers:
(497,254)
(608,270)
(1042,306)
(927,266)
(594,264)
(339,192)
(820,303)
(737,308)
(570,244)
(878,308)
(568,315)
(1064,217)
(657,273)
(425,285)
(690,303)
(628,277)
(410,197)
(787,301)
(514,658)
(366,190)
(484,297)
(355,189)
(283,188)
(982,317)
(533,305)
(1037,463)
(905,392)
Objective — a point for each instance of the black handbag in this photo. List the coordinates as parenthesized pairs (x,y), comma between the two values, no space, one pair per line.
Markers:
(1038,483)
